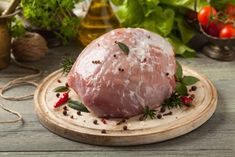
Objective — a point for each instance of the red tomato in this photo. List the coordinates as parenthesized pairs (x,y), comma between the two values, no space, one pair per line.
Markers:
(228,31)
(206,15)
(230,9)
(214,28)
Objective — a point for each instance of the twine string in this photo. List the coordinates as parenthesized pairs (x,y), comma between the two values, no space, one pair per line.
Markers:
(29,79)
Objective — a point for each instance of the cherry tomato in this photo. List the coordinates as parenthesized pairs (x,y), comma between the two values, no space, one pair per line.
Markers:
(228,31)
(206,15)
(230,9)
(214,28)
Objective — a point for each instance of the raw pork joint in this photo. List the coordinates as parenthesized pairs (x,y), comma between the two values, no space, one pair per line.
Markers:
(113,83)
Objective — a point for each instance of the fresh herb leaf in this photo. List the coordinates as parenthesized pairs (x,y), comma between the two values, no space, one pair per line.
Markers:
(173,102)
(61,89)
(123,47)
(67,64)
(181,88)
(77,106)
(179,72)
(189,80)
(151,113)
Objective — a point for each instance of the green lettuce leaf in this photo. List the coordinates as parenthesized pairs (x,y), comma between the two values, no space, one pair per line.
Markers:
(160,21)
(117,2)
(180,48)
(186,32)
(130,13)
(163,17)
(190,4)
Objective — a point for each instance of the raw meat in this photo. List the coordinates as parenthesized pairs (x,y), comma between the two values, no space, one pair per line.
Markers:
(112,83)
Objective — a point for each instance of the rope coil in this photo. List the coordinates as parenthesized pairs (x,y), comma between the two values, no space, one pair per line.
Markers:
(29,79)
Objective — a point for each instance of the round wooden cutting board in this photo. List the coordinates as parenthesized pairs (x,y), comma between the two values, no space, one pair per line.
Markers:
(82,128)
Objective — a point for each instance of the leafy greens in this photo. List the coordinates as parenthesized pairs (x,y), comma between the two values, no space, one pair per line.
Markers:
(160,16)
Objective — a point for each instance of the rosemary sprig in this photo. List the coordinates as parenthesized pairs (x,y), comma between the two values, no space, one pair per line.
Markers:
(151,113)
(67,64)
(173,102)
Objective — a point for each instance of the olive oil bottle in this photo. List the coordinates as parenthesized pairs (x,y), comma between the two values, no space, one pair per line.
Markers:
(99,19)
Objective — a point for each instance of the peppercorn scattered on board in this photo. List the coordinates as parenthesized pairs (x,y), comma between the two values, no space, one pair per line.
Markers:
(87,128)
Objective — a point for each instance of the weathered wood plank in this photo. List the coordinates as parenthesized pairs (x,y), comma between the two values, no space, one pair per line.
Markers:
(217,133)
(168,153)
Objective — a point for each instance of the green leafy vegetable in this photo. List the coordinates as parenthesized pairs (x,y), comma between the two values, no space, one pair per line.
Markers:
(163,17)
(52,15)
(61,89)
(77,106)
(17,28)
(118,2)
(186,32)
(189,4)
(180,47)
(123,47)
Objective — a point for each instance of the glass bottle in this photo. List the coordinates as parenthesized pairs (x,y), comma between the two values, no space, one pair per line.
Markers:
(99,19)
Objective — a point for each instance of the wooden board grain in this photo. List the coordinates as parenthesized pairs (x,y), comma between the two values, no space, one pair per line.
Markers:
(81,128)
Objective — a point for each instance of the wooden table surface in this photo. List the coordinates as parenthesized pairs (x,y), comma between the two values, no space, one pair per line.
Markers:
(216,138)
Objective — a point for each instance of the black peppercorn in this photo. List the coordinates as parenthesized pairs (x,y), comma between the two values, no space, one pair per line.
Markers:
(163,109)
(65,108)
(103,131)
(192,96)
(193,88)
(57,95)
(141,118)
(65,113)
(159,116)
(79,113)
(124,127)
(95,122)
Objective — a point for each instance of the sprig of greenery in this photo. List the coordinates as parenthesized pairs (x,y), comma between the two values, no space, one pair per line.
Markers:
(67,64)
(151,113)
(17,28)
(183,81)
(54,15)
(173,102)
